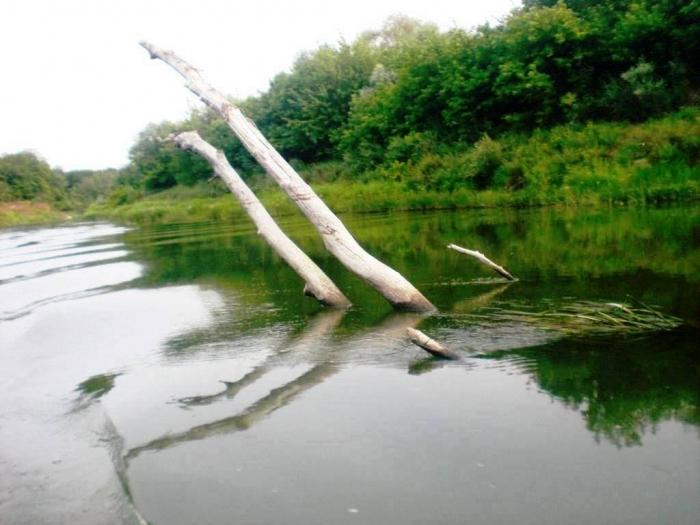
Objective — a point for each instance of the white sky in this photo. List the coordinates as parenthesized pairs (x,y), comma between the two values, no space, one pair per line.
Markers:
(76,88)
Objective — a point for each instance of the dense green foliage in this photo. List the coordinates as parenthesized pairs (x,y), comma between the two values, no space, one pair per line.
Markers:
(564,101)
(24,176)
(605,163)
(409,92)
(32,191)
(88,186)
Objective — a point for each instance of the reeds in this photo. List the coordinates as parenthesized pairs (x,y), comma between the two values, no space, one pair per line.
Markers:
(589,317)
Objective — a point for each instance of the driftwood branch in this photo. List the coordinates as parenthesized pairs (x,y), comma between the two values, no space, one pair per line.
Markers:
(430,345)
(337,239)
(318,284)
(484,260)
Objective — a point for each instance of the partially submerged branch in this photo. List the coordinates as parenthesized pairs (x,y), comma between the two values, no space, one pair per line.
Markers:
(484,260)
(430,345)
(337,239)
(318,284)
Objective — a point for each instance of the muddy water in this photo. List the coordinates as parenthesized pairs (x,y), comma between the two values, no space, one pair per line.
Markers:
(176,374)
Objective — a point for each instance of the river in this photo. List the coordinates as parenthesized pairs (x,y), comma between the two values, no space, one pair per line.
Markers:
(175,374)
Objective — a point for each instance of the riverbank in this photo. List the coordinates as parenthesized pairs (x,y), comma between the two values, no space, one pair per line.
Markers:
(597,164)
(17,213)
(652,163)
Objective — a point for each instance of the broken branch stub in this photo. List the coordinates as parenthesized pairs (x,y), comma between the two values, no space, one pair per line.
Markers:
(431,346)
(318,284)
(484,260)
(336,238)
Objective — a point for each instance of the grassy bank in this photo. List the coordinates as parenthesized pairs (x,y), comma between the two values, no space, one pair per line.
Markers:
(16,213)
(595,164)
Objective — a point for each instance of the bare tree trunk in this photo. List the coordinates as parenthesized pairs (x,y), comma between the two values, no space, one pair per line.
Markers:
(337,239)
(318,284)
(484,260)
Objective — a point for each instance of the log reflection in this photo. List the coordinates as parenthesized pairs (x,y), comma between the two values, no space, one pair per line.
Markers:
(277,398)
(316,333)
(391,331)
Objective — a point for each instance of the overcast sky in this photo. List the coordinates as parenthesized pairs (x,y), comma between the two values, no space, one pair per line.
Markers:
(77,88)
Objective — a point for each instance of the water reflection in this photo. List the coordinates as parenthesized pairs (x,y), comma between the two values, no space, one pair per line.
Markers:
(313,346)
(318,331)
(95,387)
(44,266)
(559,254)
(623,388)
(194,341)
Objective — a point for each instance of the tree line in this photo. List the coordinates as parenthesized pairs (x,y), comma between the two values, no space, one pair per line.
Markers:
(25,176)
(411,95)
(394,95)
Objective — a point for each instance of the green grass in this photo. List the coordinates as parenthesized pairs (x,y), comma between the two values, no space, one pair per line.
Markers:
(578,165)
(17,213)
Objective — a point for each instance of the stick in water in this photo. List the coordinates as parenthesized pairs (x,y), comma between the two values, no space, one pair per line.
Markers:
(430,345)
(484,260)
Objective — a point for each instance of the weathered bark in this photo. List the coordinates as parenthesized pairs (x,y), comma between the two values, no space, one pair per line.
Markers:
(484,260)
(430,345)
(337,239)
(318,284)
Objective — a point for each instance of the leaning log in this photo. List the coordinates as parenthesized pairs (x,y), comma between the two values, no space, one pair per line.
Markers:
(318,284)
(337,239)
(484,260)
(431,346)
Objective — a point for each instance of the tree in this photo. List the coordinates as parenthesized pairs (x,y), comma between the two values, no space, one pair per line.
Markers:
(24,176)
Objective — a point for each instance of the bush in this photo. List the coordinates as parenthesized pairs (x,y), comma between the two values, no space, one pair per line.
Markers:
(123,195)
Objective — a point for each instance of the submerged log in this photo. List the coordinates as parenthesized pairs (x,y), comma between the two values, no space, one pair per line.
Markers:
(484,260)
(431,346)
(337,239)
(318,284)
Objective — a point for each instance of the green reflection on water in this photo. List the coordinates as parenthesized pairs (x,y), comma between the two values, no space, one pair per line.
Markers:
(623,386)
(96,386)
(585,254)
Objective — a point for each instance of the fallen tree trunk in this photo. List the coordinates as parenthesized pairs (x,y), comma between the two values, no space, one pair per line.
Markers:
(318,284)
(431,346)
(337,239)
(484,260)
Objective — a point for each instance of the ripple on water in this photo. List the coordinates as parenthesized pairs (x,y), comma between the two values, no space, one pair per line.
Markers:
(40,267)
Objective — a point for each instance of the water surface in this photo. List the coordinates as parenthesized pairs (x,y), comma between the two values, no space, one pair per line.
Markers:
(176,374)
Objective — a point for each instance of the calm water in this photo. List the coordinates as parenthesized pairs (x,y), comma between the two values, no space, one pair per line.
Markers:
(176,374)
